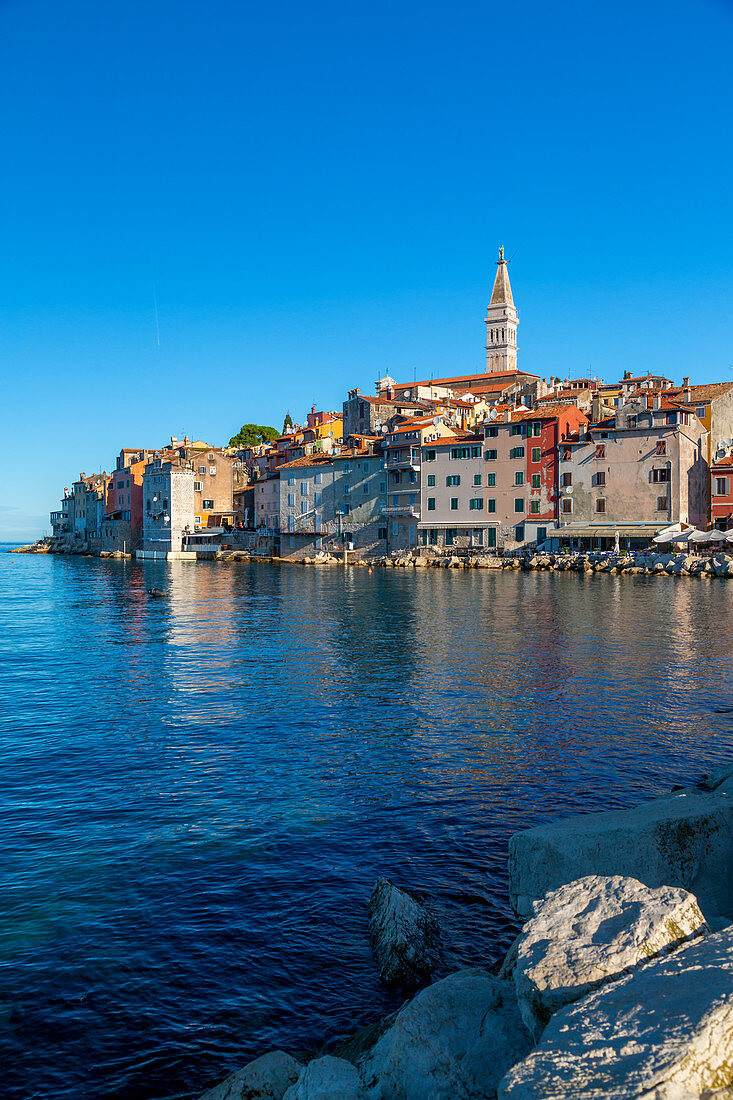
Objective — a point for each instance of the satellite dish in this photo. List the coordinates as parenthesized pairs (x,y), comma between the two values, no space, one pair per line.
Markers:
(436,421)
(569,489)
(728,442)
(331,432)
(384,429)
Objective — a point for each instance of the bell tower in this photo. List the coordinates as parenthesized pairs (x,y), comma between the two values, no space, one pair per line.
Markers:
(502,319)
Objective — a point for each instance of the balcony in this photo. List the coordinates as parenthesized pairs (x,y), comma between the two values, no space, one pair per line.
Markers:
(409,461)
(402,510)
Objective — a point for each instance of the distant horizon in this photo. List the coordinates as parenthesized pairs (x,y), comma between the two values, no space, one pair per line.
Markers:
(220,215)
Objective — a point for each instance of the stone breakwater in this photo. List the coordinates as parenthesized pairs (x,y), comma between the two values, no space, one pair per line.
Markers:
(640,563)
(619,985)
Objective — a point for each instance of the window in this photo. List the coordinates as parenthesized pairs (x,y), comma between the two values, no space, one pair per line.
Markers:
(541,534)
(291,479)
(430,456)
(600,505)
(721,486)
(490,456)
(477,479)
(317,521)
(450,534)
(317,497)
(536,428)
(319,542)
(536,481)
(347,509)
(365,467)
(347,488)
(492,432)
(519,478)
(536,454)
(700,410)
(212,471)
(453,479)
(412,500)
(383,486)
(202,469)
(516,452)
(534,507)
(382,533)
(491,480)
(567,506)
(659,476)
(567,479)
(516,429)
(291,523)
(431,480)
(304,488)
(520,534)
(491,536)
(291,500)
(207,505)
(365,489)
(198,486)
(491,505)
(661,504)
(395,501)
(431,504)
(631,422)
(601,477)
(303,507)
(317,477)
(661,447)
(601,450)
(475,452)
(476,504)
(347,467)
(519,504)
(454,504)
(395,528)
(671,418)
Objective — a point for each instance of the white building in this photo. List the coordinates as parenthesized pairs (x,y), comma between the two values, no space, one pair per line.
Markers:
(168,508)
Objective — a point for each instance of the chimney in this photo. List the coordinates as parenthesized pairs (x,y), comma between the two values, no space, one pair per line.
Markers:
(687,393)
(657,401)
(174,441)
(507,416)
(313,410)
(685,382)
(595,408)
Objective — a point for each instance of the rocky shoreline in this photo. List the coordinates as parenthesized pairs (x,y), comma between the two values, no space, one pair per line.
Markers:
(636,563)
(619,985)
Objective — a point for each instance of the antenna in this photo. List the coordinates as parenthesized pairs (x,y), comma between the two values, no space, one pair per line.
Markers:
(157,326)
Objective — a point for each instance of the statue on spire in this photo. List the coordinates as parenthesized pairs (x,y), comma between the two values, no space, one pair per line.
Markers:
(501,255)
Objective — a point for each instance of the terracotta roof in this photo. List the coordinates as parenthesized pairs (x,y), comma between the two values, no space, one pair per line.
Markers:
(548,413)
(723,462)
(488,377)
(317,459)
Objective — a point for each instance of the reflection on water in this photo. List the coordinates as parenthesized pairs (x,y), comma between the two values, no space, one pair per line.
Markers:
(198,792)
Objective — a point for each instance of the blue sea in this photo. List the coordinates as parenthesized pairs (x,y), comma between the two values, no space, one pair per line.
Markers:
(199,791)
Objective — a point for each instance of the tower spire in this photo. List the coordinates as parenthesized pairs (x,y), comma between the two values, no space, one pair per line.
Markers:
(502,319)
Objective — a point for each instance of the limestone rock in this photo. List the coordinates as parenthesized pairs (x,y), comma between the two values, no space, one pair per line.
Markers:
(327,1078)
(662,1033)
(404,935)
(267,1078)
(591,932)
(454,1040)
(684,839)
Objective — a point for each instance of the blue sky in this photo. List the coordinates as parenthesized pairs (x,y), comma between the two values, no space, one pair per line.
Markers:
(314,195)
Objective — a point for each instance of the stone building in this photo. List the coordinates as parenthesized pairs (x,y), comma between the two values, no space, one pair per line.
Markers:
(168,503)
(636,472)
(331,502)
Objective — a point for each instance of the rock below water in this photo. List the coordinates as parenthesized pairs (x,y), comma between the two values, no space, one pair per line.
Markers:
(663,1033)
(404,935)
(616,925)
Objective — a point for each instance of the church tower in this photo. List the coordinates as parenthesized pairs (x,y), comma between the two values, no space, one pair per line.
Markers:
(501,322)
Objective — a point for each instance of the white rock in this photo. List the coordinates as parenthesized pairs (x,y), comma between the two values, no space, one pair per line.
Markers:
(592,931)
(663,1033)
(454,1040)
(267,1078)
(404,935)
(327,1078)
(684,839)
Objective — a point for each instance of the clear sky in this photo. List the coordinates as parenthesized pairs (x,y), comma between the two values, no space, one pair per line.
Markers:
(314,193)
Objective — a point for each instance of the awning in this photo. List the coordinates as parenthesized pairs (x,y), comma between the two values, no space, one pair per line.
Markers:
(718,536)
(606,531)
(670,534)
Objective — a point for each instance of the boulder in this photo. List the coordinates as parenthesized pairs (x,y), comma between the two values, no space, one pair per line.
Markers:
(404,935)
(592,931)
(684,839)
(662,1033)
(714,780)
(327,1078)
(455,1039)
(267,1078)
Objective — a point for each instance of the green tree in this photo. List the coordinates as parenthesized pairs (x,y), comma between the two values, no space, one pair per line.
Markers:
(288,425)
(250,435)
